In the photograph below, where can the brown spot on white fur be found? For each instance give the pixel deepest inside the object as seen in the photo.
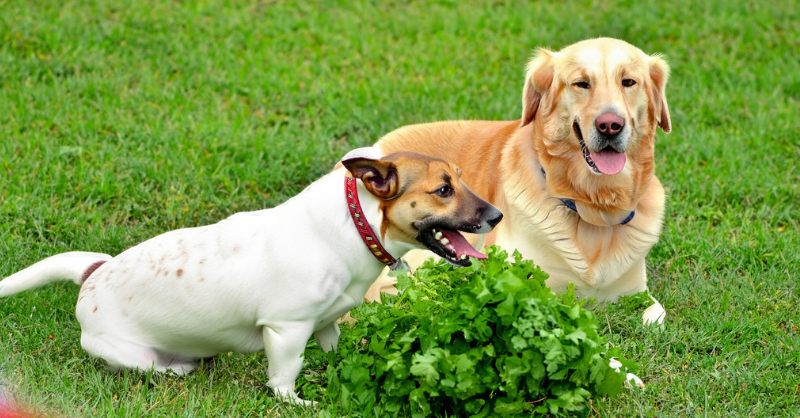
(91, 270)
(179, 273)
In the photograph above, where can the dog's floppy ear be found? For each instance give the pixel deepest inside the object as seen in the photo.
(659, 73)
(538, 79)
(379, 176)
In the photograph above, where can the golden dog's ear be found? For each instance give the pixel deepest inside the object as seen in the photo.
(379, 176)
(659, 73)
(538, 79)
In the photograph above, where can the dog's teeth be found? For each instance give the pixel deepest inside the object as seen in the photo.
(437, 235)
(444, 241)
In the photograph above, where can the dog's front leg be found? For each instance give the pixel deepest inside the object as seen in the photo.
(284, 344)
(635, 281)
(328, 337)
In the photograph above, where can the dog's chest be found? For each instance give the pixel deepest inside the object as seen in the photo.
(354, 288)
(570, 250)
(545, 241)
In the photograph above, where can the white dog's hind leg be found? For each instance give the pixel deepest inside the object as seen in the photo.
(123, 354)
(119, 354)
(654, 315)
(328, 337)
(284, 344)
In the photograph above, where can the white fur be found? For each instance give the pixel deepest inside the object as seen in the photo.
(67, 266)
(264, 280)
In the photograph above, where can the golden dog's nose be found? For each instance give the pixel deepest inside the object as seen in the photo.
(609, 123)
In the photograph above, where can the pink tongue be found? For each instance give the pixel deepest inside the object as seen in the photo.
(608, 162)
(460, 244)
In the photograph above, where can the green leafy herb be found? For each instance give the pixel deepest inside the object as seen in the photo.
(485, 340)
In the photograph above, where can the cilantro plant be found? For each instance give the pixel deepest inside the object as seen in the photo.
(486, 340)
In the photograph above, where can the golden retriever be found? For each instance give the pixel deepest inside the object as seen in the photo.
(575, 176)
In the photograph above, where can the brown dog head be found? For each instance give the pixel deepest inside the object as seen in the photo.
(595, 106)
(425, 203)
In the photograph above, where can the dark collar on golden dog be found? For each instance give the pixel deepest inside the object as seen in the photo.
(571, 204)
(360, 221)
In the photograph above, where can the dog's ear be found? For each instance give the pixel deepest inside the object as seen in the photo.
(659, 73)
(379, 176)
(538, 79)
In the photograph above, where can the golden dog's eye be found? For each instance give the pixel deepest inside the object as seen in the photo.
(628, 82)
(581, 85)
(444, 191)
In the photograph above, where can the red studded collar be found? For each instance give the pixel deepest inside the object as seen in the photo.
(360, 221)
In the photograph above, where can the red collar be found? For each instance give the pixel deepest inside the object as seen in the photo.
(360, 221)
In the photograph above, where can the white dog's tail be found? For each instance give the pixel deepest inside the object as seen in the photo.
(75, 266)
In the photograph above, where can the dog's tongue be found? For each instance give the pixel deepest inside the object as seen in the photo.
(608, 162)
(461, 245)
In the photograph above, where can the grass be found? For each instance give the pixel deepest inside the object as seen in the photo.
(121, 120)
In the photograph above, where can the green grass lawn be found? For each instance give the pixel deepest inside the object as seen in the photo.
(122, 120)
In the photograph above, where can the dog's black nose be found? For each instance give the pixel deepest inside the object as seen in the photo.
(494, 218)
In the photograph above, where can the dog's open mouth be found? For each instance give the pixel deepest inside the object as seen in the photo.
(449, 244)
(607, 161)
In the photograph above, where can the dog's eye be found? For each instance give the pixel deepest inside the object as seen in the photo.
(581, 85)
(628, 82)
(444, 191)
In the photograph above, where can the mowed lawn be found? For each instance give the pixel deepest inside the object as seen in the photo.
(122, 120)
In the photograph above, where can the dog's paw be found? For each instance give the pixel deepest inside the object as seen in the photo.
(299, 402)
(654, 315)
(291, 397)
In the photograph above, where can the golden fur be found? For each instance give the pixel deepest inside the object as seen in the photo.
(502, 162)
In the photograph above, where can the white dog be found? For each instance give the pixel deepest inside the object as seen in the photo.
(267, 279)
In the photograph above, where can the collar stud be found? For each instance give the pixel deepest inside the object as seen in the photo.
(366, 232)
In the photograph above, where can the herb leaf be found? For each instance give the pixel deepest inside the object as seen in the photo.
(486, 340)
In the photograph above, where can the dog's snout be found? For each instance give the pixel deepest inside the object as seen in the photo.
(609, 123)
